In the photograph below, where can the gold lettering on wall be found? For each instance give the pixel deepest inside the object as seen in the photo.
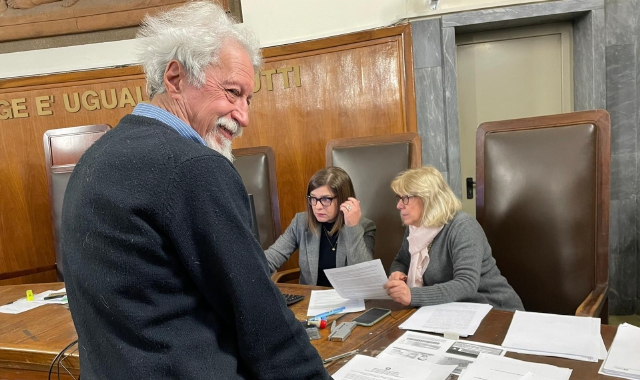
(114, 99)
(43, 102)
(90, 105)
(68, 107)
(285, 74)
(18, 105)
(88, 100)
(268, 74)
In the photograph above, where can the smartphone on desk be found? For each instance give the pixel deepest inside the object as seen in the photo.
(371, 316)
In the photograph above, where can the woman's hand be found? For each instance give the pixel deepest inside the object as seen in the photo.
(397, 275)
(398, 291)
(351, 210)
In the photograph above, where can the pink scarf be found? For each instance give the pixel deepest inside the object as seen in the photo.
(419, 239)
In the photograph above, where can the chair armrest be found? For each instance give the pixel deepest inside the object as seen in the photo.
(592, 305)
(286, 276)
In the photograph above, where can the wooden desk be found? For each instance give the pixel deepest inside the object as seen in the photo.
(492, 330)
(359, 336)
(29, 341)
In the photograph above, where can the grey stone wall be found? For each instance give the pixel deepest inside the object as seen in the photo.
(612, 83)
(622, 41)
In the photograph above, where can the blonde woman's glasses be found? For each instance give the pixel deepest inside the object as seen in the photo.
(404, 198)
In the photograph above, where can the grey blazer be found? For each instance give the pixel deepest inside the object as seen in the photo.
(355, 245)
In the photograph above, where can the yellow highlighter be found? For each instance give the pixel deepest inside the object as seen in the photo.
(29, 295)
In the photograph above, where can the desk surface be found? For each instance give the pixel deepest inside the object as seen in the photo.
(29, 341)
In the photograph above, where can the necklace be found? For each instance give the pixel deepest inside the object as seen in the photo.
(333, 247)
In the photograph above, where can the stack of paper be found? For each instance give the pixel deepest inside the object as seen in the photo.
(325, 300)
(367, 368)
(624, 356)
(555, 335)
(502, 368)
(426, 348)
(457, 317)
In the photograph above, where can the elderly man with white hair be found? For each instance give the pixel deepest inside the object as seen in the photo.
(164, 277)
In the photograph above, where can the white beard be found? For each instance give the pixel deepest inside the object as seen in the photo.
(215, 135)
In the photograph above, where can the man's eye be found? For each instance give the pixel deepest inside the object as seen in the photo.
(233, 92)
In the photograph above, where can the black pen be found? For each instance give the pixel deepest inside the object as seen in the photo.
(329, 360)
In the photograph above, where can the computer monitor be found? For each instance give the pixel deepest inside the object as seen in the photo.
(254, 219)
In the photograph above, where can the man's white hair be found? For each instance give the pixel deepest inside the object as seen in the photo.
(191, 34)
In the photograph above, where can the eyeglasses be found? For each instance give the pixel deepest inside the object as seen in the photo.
(325, 201)
(404, 198)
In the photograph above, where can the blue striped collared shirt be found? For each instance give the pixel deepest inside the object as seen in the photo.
(153, 112)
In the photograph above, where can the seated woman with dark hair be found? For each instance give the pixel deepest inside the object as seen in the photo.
(332, 233)
(445, 256)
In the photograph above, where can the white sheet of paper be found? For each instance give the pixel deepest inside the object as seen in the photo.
(367, 368)
(563, 336)
(362, 281)
(623, 359)
(429, 348)
(503, 368)
(322, 301)
(22, 305)
(462, 318)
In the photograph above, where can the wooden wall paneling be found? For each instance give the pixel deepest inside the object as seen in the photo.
(27, 110)
(350, 86)
(354, 85)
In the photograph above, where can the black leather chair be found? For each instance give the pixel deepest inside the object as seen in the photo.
(256, 166)
(372, 163)
(543, 201)
(62, 150)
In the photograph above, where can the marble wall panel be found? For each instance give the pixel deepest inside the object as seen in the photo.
(427, 46)
(451, 112)
(621, 97)
(429, 101)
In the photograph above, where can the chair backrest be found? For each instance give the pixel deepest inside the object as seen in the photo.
(62, 149)
(543, 201)
(257, 167)
(372, 163)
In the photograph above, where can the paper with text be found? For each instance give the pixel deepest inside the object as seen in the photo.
(362, 281)
(428, 348)
(563, 336)
(461, 318)
(624, 356)
(23, 305)
(322, 301)
(503, 368)
(367, 368)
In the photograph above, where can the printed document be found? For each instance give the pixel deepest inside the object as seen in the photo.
(368, 368)
(23, 305)
(563, 336)
(362, 281)
(322, 301)
(624, 356)
(503, 368)
(426, 348)
(461, 318)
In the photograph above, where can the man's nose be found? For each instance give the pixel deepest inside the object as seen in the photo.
(241, 113)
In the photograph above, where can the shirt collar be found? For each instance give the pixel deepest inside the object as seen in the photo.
(162, 115)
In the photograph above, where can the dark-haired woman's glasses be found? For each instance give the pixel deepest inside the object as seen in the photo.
(404, 198)
(325, 201)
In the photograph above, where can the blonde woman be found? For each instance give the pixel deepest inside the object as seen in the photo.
(445, 256)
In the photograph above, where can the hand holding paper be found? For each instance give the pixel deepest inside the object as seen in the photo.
(361, 281)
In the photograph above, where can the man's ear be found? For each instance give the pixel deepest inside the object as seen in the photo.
(174, 79)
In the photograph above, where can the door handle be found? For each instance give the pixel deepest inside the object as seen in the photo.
(470, 184)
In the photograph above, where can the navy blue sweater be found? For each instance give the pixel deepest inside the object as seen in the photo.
(164, 277)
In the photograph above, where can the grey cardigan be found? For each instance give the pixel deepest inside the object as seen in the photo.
(461, 268)
(355, 245)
